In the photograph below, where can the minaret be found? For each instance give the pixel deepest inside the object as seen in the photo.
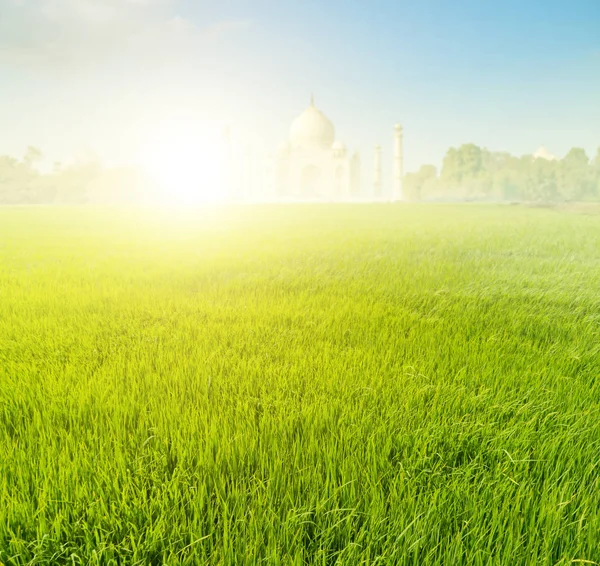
(398, 164)
(377, 177)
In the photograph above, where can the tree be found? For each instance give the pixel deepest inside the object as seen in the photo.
(464, 173)
(451, 173)
(507, 184)
(17, 181)
(32, 156)
(543, 180)
(414, 183)
(595, 175)
(574, 175)
(462, 164)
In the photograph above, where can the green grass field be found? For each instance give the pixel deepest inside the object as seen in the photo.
(303, 384)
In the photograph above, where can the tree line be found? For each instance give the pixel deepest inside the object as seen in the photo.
(468, 173)
(84, 180)
(474, 173)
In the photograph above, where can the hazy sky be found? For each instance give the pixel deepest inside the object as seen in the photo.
(106, 74)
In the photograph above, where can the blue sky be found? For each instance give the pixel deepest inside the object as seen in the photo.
(103, 74)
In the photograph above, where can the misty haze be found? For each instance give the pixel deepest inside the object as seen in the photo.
(295, 283)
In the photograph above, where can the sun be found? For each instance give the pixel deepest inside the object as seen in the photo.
(187, 162)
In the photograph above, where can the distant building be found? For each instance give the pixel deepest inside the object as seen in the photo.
(312, 165)
(543, 153)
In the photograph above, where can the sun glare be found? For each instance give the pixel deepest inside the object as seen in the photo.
(187, 161)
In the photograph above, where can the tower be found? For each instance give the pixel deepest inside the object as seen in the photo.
(377, 177)
(398, 164)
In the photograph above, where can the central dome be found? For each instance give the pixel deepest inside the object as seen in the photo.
(543, 153)
(312, 129)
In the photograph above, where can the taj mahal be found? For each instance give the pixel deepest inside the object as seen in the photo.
(312, 165)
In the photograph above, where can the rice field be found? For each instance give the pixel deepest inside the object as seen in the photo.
(302, 384)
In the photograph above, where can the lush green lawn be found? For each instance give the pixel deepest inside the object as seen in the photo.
(360, 384)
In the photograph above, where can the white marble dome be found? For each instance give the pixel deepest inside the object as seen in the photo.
(543, 153)
(312, 130)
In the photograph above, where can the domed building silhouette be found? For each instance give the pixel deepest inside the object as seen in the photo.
(312, 164)
(543, 153)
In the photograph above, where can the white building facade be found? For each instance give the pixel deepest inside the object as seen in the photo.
(312, 165)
